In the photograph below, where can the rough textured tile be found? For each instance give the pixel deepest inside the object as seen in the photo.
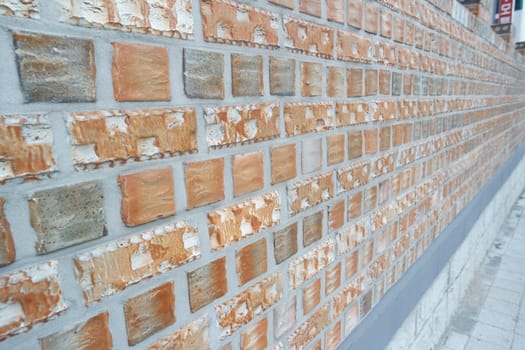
(149, 312)
(20, 8)
(305, 267)
(168, 18)
(147, 196)
(371, 140)
(384, 82)
(312, 79)
(310, 328)
(207, 283)
(353, 176)
(238, 221)
(241, 124)
(350, 292)
(336, 215)
(351, 113)
(248, 304)
(351, 237)
(335, 10)
(140, 73)
(7, 246)
(354, 205)
(25, 146)
(234, 23)
(308, 37)
(28, 296)
(201, 187)
(335, 82)
(248, 173)
(336, 149)
(283, 163)
(311, 296)
(355, 144)
(353, 47)
(307, 193)
(110, 268)
(312, 228)
(303, 118)
(282, 76)
(285, 243)
(193, 336)
(370, 82)
(247, 75)
(284, 316)
(55, 69)
(93, 333)
(355, 82)
(333, 278)
(203, 74)
(312, 155)
(255, 337)
(251, 261)
(65, 216)
(333, 337)
(118, 136)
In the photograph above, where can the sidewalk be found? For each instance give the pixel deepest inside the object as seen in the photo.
(492, 315)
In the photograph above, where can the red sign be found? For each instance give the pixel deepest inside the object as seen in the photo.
(505, 12)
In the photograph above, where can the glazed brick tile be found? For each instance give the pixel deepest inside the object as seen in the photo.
(30, 295)
(311, 296)
(139, 257)
(248, 173)
(158, 18)
(371, 82)
(234, 23)
(303, 118)
(310, 328)
(285, 243)
(311, 7)
(335, 10)
(333, 278)
(256, 336)
(228, 125)
(247, 75)
(333, 337)
(355, 82)
(355, 144)
(282, 76)
(116, 136)
(90, 334)
(312, 79)
(336, 215)
(25, 146)
(336, 149)
(312, 228)
(203, 74)
(140, 73)
(236, 222)
(147, 196)
(308, 37)
(335, 82)
(251, 261)
(355, 13)
(149, 313)
(69, 74)
(192, 335)
(351, 264)
(310, 192)
(283, 163)
(354, 205)
(83, 206)
(201, 188)
(207, 283)
(305, 267)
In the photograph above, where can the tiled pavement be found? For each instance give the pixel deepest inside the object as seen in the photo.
(492, 314)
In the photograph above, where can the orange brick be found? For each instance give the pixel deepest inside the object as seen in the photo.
(228, 125)
(349, 294)
(336, 149)
(251, 261)
(371, 140)
(371, 18)
(355, 13)
(236, 222)
(192, 336)
(335, 10)
(335, 84)
(207, 283)
(385, 136)
(385, 110)
(379, 265)
(248, 173)
(25, 146)
(333, 337)
(140, 73)
(117, 136)
(255, 337)
(354, 205)
(370, 82)
(351, 264)
(310, 328)
(247, 305)
(355, 144)
(333, 278)
(283, 163)
(355, 82)
(7, 246)
(234, 23)
(385, 82)
(353, 176)
(149, 312)
(386, 24)
(308, 37)
(351, 113)
(366, 253)
(302, 118)
(311, 7)
(312, 79)
(336, 215)
(305, 267)
(201, 188)
(312, 228)
(353, 47)
(399, 29)
(351, 237)
(311, 296)
(90, 334)
(30, 295)
(307, 193)
(147, 196)
(139, 257)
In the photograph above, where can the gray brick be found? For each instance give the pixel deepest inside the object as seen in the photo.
(397, 83)
(285, 243)
(247, 75)
(282, 76)
(203, 74)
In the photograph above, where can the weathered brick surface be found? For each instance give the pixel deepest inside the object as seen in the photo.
(310, 328)
(283, 163)
(312, 79)
(312, 155)
(248, 173)
(285, 243)
(66, 216)
(284, 316)
(308, 37)
(311, 296)
(7, 246)
(234, 223)
(149, 312)
(255, 337)
(20, 8)
(201, 188)
(251, 261)
(137, 257)
(247, 75)
(307, 193)
(147, 196)
(93, 333)
(25, 146)
(28, 296)
(118, 136)
(312, 228)
(207, 283)
(282, 76)
(305, 267)
(194, 335)
(203, 74)
(302, 118)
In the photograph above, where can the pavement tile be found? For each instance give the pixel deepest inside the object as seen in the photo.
(505, 295)
(478, 344)
(519, 342)
(497, 319)
(456, 341)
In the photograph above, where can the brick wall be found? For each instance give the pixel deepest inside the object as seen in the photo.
(226, 175)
